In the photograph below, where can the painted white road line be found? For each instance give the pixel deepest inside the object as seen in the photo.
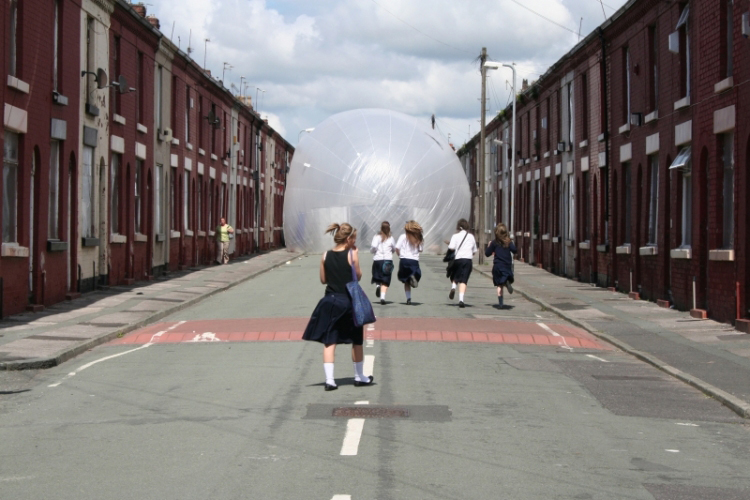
(555, 334)
(597, 358)
(205, 337)
(89, 365)
(341, 497)
(687, 424)
(353, 434)
(369, 365)
(362, 403)
(370, 343)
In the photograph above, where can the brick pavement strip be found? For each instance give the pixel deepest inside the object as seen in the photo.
(24, 345)
(736, 404)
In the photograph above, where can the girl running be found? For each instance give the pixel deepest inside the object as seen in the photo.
(409, 246)
(465, 246)
(382, 246)
(502, 267)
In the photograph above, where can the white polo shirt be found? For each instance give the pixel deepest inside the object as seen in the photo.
(406, 250)
(468, 248)
(383, 250)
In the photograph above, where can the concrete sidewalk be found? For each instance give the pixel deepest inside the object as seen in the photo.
(711, 356)
(42, 340)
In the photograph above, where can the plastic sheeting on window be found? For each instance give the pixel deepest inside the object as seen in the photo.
(87, 193)
(369, 165)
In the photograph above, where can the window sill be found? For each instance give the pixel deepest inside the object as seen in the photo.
(141, 128)
(211, 233)
(583, 144)
(723, 85)
(238, 231)
(119, 119)
(201, 233)
(602, 248)
(648, 250)
(160, 237)
(201, 152)
(89, 242)
(140, 238)
(545, 237)
(721, 255)
(546, 155)
(118, 238)
(14, 250)
(214, 157)
(188, 146)
(623, 249)
(527, 235)
(584, 245)
(175, 141)
(57, 246)
(651, 117)
(555, 239)
(681, 253)
(174, 234)
(188, 232)
(682, 103)
(570, 243)
(17, 84)
(624, 128)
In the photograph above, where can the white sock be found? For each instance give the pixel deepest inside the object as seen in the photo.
(408, 294)
(328, 368)
(460, 296)
(453, 286)
(382, 295)
(359, 374)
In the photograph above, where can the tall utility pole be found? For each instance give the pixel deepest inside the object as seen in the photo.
(480, 161)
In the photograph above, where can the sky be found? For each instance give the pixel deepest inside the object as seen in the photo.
(305, 60)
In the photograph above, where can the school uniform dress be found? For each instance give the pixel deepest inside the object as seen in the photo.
(332, 321)
(408, 264)
(464, 254)
(502, 265)
(382, 261)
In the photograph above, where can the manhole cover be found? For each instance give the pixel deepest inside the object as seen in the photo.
(364, 412)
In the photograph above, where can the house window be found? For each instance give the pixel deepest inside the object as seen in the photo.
(87, 195)
(187, 114)
(571, 137)
(115, 92)
(90, 32)
(186, 200)
(571, 208)
(137, 196)
(626, 200)
(221, 201)
(681, 163)
(653, 67)
(141, 87)
(14, 38)
(727, 26)
(728, 190)
(53, 212)
(199, 203)
(56, 46)
(626, 85)
(684, 34)
(585, 105)
(159, 200)
(210, 205)
(653, 205)
(10, 187)
(114, 198)
(173, 190)
(585, 211)
(159, 107)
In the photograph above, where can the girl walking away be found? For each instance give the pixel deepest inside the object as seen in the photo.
(409, 246)
(465, 246)
(332, 321)
(382, 246)
(502, 267)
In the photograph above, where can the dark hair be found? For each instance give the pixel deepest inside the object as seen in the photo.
(463, 225)
(385, 229)
(341, 232)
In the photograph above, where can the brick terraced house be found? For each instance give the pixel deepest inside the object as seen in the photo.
(120, 154)
(632, 159)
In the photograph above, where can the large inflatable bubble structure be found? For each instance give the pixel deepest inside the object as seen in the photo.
(369, 165)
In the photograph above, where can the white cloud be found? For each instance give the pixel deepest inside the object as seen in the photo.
(315, 59)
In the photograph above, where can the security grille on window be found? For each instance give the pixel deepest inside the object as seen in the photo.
(10, 187)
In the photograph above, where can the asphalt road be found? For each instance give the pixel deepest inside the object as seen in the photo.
(201, 417)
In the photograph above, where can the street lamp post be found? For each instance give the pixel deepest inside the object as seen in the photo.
(308, 130)
(257, 108)
(241, 78)
(223, 70)
(512, 66)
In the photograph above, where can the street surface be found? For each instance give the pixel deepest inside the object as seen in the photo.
(222, 401)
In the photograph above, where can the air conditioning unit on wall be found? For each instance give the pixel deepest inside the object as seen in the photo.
(165, 135)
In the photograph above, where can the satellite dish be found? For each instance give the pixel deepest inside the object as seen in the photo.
(122, 85)
(101, 79)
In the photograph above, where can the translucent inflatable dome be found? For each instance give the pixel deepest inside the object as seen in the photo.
(369, 165)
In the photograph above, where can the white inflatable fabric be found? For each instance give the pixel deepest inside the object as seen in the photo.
(367, 166)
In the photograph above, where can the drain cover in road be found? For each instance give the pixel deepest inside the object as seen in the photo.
(412, 413)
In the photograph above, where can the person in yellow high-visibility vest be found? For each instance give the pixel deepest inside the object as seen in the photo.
(223, 232)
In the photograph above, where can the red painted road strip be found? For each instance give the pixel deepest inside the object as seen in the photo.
(389, 329)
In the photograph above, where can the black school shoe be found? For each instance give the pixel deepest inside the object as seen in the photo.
(452, 293)
(382, 302)
(509, 287)
(461, 304)
(377, 291)
(408, 302)
(329, 387)
(413, 281)
(358, 383)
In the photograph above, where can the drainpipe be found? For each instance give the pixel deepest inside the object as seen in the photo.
(605, 89)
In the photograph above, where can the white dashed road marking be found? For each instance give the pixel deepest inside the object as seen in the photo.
(353, 434)
(597, 358)
(89, 365)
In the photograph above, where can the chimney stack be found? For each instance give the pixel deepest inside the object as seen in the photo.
(140, 9)
(154, 21)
